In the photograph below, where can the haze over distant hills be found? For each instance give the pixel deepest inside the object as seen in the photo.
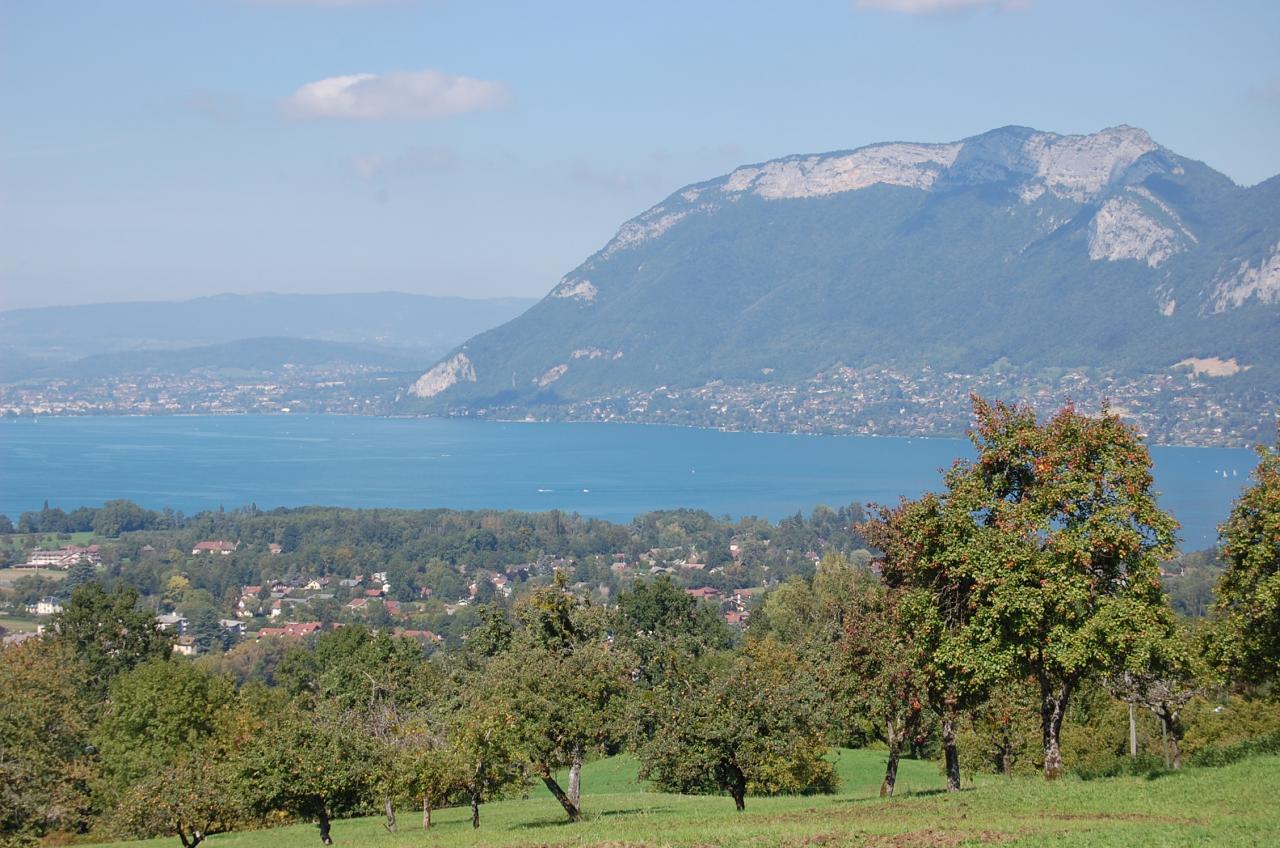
(242, 331)
(1015, 249)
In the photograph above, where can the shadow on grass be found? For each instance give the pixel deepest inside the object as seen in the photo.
(561, 821)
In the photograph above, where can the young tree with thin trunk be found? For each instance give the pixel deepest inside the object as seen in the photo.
(484, 744)
(880, 677)
(932, 606)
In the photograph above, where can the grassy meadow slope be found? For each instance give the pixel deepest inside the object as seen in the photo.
(1230, 806)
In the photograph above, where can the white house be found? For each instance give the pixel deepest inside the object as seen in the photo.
(45, 606)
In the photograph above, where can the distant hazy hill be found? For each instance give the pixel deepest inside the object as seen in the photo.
(389, 320)
(256, 355)
(1016, 246)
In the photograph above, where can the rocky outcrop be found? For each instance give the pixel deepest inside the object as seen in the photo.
(1261, 281)
(444, 375)
(1122, 229)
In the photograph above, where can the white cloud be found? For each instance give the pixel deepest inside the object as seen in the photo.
(402, 94)
(940, 7)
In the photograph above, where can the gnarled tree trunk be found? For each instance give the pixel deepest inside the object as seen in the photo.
(893, 736)
(575, 778)
(1053, 708)
(426, 812)
(950, 753)
(553, 786)
(475, 809)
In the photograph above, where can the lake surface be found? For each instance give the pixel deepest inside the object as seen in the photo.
(613, 471)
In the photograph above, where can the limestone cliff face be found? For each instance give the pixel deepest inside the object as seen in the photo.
(1019, 245)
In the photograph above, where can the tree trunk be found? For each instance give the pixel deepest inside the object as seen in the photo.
(190, 840)
(950, 753)
(324, 827)
(1133, 733)
(391, 814)
(475, 810)
(553, 786)
(1053, 707)
(575, 778)
(426, 812)
(894, 737)
(1175, 751)
(1173, 729)
(738, 788)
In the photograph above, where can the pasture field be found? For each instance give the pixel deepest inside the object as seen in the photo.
(9, 576)
(16, 541)
(18, 625)
(1231, 806)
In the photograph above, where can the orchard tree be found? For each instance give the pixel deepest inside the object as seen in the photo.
(1246, 642)
(483, 743)
(932, 607)
(1043, 555)
(46, 762)
(426, 766)
(569, 703)
(157, 713)
(880, 674)
(755, 724)
(314, 762)
(192, 799)
(108, 633)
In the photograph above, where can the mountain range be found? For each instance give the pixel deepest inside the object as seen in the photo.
(1015, 249)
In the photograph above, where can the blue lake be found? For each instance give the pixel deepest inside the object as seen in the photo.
(613, 471)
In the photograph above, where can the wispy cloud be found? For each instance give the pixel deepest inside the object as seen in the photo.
(431, 158)
(420, 95)
(213, 104)
(920, 8)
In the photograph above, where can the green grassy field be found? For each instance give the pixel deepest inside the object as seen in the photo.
(17, 625)
(9, 576)
(1232, 806)
(17, 541)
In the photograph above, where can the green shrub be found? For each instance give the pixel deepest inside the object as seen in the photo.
(1224, 755)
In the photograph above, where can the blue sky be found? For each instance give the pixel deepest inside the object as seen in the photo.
(176, 148)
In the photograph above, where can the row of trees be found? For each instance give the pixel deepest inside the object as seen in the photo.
(143, 742)
(1036, 574)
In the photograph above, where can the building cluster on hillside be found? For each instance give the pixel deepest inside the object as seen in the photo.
(344, 389)
(298, 595)
(62, 558)
(1168, 408)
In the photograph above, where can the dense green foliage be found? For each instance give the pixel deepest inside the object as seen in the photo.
(1249, 592)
